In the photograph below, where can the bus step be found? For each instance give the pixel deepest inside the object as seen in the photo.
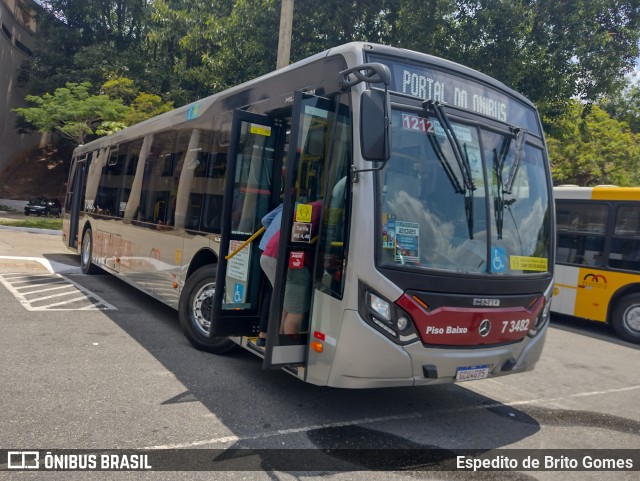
(250, 344)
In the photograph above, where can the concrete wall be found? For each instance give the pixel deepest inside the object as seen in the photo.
(16, 42)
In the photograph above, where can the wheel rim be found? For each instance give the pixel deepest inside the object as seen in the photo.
(631, 318)
(86, 250)
(201, 308)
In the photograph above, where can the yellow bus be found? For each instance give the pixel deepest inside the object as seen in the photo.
(598, 256)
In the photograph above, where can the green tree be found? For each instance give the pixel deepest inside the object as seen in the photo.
(121, 88)
(73, 113)
(549, 50)
(624, 105)
(90, 40)
(145, 106)
(180, 43)
(141, 105)
(587, 147)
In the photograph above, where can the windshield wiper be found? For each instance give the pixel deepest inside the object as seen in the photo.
(519, 133)
(498, 165)
(446, 166)
(461, 157)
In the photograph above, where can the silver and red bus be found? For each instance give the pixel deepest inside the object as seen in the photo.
(433, 257)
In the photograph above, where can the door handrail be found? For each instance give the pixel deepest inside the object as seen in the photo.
(245, 243)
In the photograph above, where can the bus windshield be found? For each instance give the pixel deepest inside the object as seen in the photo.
(485, 211)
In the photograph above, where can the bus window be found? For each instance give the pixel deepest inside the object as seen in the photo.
(107, 200)
(332, 247)
(625, 243)
(161, 179)
(130, 166)
(581, 229)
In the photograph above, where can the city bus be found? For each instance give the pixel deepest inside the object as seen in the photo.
(432, 261)
(598, 256)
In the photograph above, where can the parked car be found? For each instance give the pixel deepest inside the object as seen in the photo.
(43, 206)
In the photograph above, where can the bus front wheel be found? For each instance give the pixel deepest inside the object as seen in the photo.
(626, 318)
(196, 303)
(86, 252)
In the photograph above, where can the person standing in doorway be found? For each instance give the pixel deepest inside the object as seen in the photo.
(271, 222)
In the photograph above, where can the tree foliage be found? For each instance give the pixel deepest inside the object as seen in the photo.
(589, 147)
(565, 55)
(550, 50)
(624, 105)
(72, 112)
(89, 41)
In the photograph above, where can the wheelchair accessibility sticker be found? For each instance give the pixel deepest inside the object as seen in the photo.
(238, 294)
(498, 259)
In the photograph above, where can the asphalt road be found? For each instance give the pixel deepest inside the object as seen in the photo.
(124, 377)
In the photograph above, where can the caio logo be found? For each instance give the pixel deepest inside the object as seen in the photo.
(594, 281)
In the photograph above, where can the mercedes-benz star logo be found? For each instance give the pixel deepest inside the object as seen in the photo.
(485, 328)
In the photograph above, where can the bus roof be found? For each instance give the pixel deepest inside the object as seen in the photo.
(599, 192)
(348, 50)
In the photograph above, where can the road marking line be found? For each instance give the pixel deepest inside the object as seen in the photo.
(63, 303)
(60, 294)
(281, 432)
(51, 281)
(31, 304)
(64, 286)
(33, 282)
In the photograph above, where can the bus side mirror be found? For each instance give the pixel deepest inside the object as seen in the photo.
(375, 135)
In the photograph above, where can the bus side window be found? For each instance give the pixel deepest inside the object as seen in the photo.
(625, 245)
(581, 233)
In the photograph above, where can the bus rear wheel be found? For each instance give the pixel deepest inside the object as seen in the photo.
(626, 318)
(196, 303)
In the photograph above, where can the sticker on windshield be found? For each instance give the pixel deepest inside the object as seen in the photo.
(498, 259)
(407, 242)
(525, 263)
(388, 231)
(475, 162)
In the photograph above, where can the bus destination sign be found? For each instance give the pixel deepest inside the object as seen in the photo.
(428, 83)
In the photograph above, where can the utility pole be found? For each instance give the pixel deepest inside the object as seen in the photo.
(284, 37)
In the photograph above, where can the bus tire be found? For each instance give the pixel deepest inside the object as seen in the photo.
(626, 318)
(86, 253)
(194, 307)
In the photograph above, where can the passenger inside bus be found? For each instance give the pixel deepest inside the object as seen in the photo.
(271, 222)
(297, 295)
(298, 286)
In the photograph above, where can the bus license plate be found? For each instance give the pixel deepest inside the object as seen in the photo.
(472, 372)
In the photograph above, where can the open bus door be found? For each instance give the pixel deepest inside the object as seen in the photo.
(306, 164)
(76, 195)
(255, 148)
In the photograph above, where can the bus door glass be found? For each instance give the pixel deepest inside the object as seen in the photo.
(75, 198)
(249, 189)
(289, 319)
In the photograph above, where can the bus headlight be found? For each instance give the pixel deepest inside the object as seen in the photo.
(542, 318)
(381, 307)
(402, 323)
(385, 316)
